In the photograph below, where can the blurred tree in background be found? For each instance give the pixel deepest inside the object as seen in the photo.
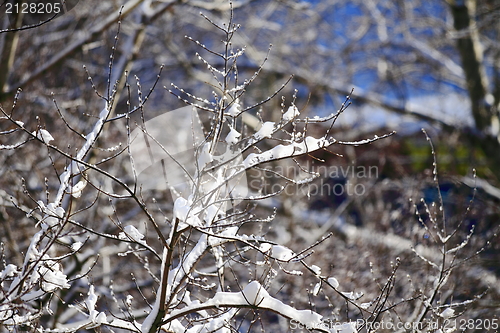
(435, 61)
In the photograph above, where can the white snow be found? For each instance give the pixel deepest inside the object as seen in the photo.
(264, 247)
(282, 253)
(316, 269)
(181, 208)
(265, 131)
(131, 232)
(91, 301)
(352, 295)
(90, 140)
(52, 214)
(211, 213)
(76, 191)
(49, 222)
(291, 113)
(307, 145)
(128, 300)
(76, 246)
(204, 157)
(333, 282)
(189, 260)
(43, 135)
(316, 289)
(447, 313)
(184, 212)
(233, 136)
(52, 276)
(365, 305)
(234, 110)
(8, 271)
(51, 209)
(253, 294)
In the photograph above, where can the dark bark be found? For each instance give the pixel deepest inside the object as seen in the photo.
(472, 66)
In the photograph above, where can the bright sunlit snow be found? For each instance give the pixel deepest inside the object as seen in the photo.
(233, 136)
(131, 232)
(265, 131)
(44, 135)
(333, 281)
(291, 113)
(282, 253)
